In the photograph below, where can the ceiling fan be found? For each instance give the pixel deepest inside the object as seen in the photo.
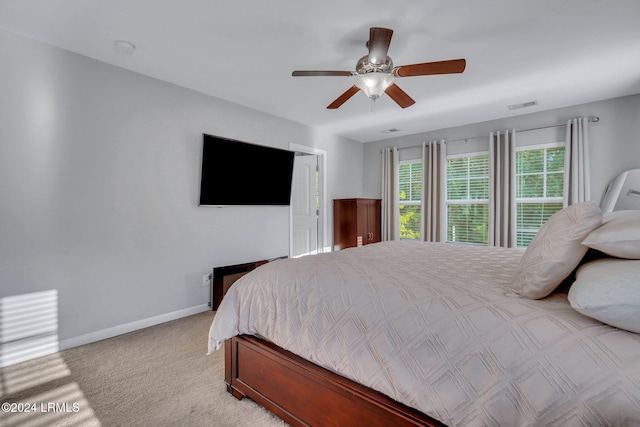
(376, 74)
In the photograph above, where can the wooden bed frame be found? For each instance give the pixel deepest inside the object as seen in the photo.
(304, 394)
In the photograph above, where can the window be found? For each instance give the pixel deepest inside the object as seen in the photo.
(539, 189)
(468, 198)
(410, 195)
(539, 194)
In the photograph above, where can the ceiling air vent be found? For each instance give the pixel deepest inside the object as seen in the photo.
(523, 105)
(390, 130)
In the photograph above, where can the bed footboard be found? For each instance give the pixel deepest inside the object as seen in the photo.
(304, 394)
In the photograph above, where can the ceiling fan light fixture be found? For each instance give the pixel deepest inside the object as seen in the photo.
(374, 84)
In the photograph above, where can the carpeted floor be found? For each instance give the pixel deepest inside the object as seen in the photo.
(159, 376)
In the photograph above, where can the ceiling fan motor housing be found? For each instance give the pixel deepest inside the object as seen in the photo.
(363, 66)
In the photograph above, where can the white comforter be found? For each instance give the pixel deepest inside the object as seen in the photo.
(432, 326)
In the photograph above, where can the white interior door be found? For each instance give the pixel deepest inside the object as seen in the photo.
(304, 206)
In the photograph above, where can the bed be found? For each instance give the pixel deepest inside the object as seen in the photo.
(415, 333)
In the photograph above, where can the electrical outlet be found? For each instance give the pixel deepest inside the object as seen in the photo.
(205, 280)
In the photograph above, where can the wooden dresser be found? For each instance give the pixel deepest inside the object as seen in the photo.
(356, 222)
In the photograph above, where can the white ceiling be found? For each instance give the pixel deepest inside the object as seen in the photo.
(557, 52)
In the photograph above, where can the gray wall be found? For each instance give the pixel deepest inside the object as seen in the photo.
(615, 139)
(99, 183)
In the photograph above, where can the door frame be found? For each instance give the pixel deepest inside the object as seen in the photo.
(322, 191)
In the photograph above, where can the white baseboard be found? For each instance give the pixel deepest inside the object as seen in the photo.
(130, 327)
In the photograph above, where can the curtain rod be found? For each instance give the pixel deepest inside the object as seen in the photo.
(591, 120)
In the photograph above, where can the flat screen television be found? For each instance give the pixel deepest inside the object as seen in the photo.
(236, 173)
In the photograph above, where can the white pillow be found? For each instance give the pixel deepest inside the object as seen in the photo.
(608, 290)
(618, 236)
(556, 250)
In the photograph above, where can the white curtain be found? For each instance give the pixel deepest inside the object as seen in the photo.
(390, 220)
(577, 181)
(434, 163)
(502, 189)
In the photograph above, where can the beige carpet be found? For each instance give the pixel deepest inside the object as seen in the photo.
(159, 376)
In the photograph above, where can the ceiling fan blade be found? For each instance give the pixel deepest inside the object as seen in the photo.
(430, 68)
(313, 73)
(379, 41)
(399, 96)
(343, 98)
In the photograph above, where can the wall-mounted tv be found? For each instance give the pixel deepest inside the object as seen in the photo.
(240, 173)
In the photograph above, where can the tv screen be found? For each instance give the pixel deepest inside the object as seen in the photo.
(240, 173)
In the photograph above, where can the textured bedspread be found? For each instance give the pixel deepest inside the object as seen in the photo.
(432, 326)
